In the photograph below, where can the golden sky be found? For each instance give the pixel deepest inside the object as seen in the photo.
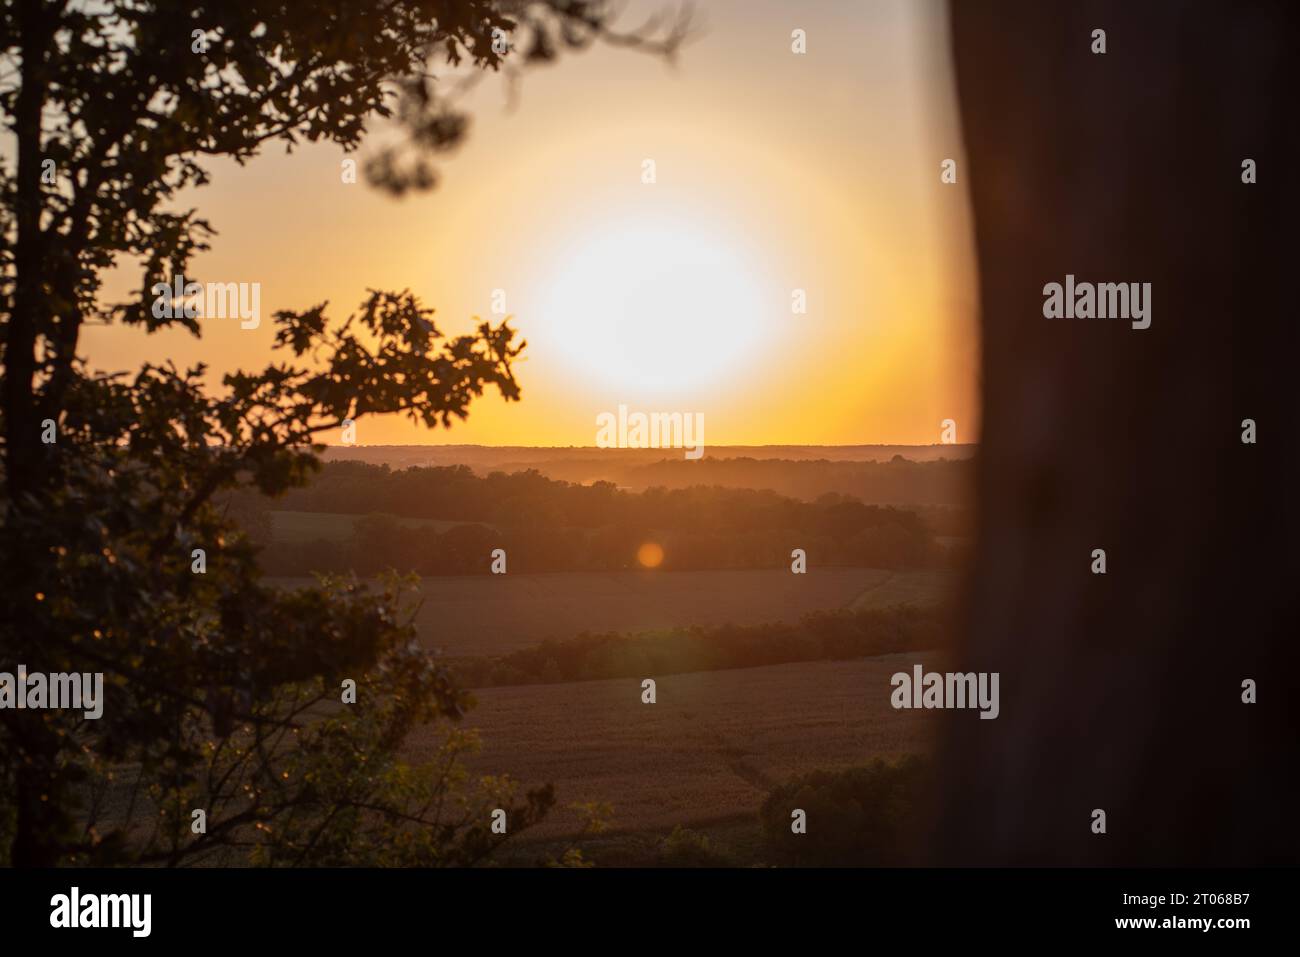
(773, 172)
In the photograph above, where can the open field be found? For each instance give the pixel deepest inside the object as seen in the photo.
(709, 750)
(298, 527)
(497, 614)
(923, 587)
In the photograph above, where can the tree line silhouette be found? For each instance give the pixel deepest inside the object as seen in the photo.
(546, 525)
(896, 481)
(838, 634)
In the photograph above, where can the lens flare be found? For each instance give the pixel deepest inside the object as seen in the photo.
(650, 555)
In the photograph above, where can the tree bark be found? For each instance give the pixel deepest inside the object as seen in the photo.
(22, 431)
(38, 794)
(1123, 691)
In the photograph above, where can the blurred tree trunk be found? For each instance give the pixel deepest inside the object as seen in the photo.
(1123, 691)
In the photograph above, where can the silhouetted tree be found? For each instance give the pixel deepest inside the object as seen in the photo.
(215, 684)
(1123, 691)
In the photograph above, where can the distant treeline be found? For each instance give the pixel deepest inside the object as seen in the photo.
(898, 481)
(458, 493)
(826, 635)
(546, 525)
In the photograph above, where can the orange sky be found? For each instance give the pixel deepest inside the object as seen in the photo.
(774, 172)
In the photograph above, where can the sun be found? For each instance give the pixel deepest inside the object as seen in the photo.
(657, 306)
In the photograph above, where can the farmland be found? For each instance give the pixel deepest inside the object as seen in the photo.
(708, 751)
(497, 614)
(715, 743)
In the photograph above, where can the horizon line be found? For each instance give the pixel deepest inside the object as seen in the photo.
(597, 448)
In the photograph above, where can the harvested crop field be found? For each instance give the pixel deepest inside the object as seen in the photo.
(497, 614)
(710, 748)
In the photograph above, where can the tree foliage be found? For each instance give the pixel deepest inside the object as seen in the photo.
(868, 816)
(223, 694)
(546, 525)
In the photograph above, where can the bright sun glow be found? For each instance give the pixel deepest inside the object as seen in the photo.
(656, 307)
